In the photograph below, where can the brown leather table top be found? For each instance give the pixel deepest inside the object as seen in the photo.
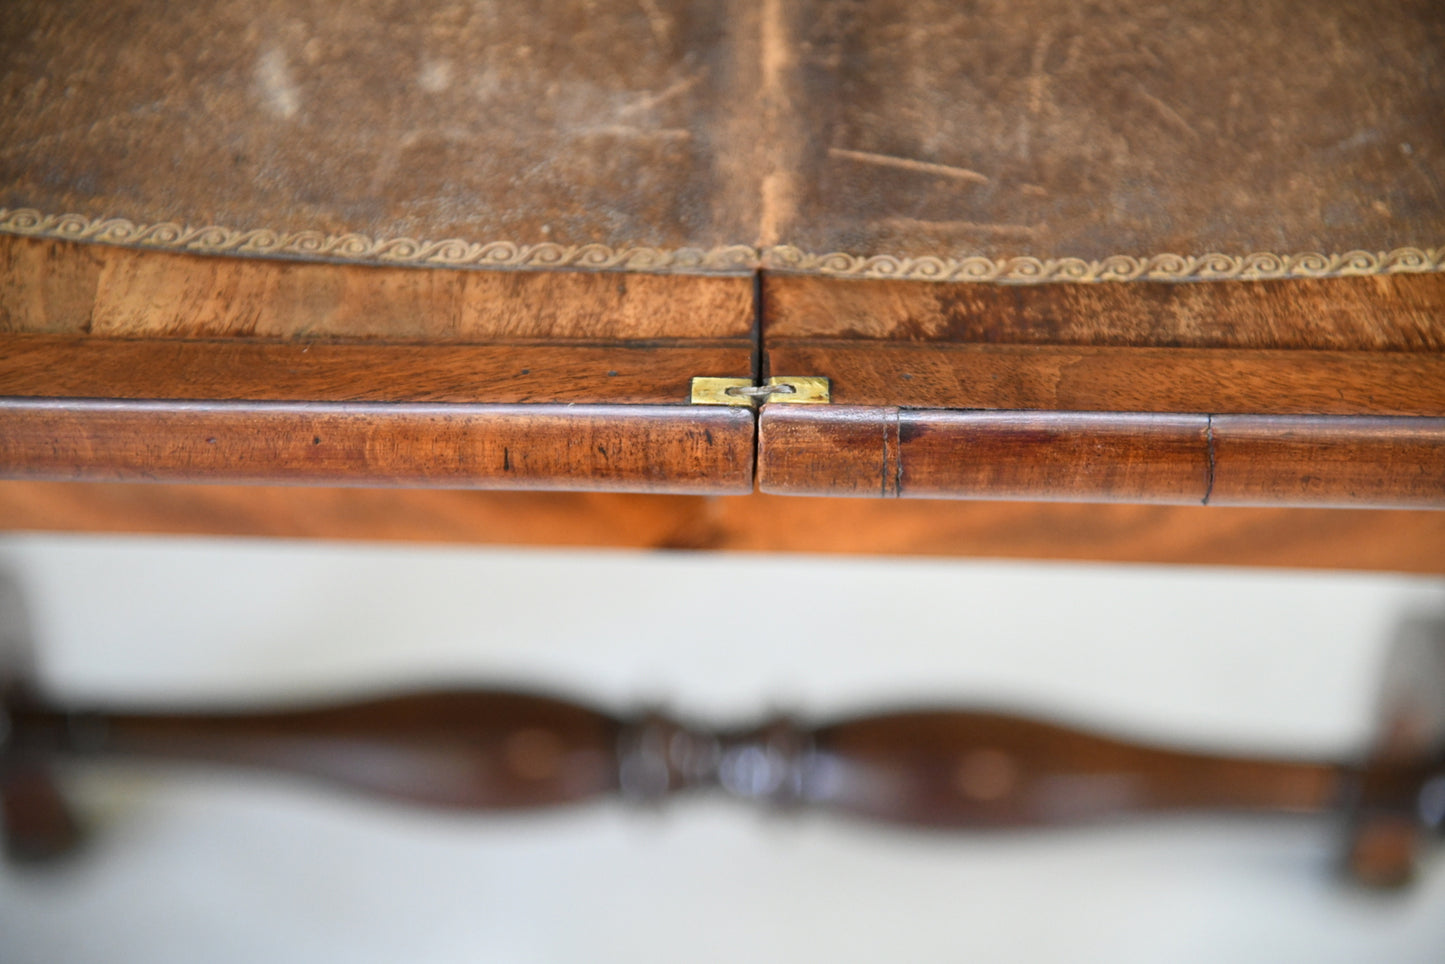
(921, 138)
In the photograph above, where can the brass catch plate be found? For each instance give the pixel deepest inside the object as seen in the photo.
(806, 390)
(714, 391)
(784, 389)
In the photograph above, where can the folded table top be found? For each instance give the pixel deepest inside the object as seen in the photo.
(969, 219)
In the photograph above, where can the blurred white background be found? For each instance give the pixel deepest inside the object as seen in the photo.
(198, 865)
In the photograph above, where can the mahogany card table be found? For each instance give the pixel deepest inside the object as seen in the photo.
(1137, 281)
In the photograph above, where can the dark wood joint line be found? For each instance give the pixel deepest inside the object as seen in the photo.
(891, 481)
(1209, 440)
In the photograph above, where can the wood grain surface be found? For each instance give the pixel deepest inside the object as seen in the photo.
(51, 366)
(64, 288)
(983, 455)
(1382, 540)
(1403, 312)
(602, 448)
(1336, 346)
(1070, 455)
(839, 451)
(1329, 461)
(1086, 378)
(220, 339)
(1077, 456)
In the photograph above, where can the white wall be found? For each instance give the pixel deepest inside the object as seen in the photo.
(204, 866)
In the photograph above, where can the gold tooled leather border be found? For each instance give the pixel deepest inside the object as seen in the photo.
(730, 259)
(1119, 267)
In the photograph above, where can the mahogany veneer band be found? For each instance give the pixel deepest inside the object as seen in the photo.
(51, 366)
(1079, 378)
(1048, 378)
(1390, 312)
(641, 448)
(1113, 457)
(65, 288)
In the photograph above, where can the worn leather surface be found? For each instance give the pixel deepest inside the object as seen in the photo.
(1044, 128)
(1128, 126)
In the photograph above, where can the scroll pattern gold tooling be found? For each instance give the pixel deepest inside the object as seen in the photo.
(1119, 267)
(449, 252)
(730, 259)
